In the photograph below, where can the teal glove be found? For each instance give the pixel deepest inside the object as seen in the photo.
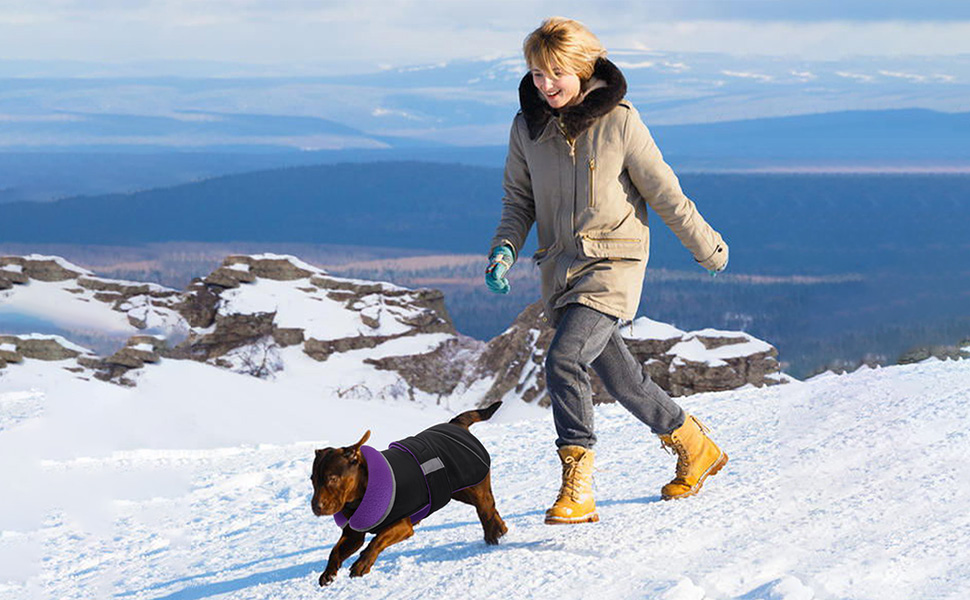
(715, 272)
(499, 263)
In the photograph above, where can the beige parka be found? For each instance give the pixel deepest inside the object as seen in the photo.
(585, 176)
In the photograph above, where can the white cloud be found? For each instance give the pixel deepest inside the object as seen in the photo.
(804, 75)
(856, 76)
(743, 75)
(407, 32)
(907, 76)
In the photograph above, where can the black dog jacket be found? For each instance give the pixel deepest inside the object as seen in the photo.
(417, 476)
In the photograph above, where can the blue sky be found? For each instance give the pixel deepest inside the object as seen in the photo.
(361, 35)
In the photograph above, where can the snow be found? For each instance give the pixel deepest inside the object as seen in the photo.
(321, 317)
(67, 306)
(644, 328)
(7, 348)
(12, 268)
(244, 267)
(692, 349)
(143, 347)
(53, 302)
(195, 485)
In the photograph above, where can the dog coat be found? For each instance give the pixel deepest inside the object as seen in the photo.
(417, 476)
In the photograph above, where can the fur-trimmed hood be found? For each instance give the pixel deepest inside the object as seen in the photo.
(607, 87)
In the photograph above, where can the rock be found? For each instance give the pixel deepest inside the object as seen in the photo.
(228, 333)
(288, 336)
(41, 347)
(711, 360)
(91, 362)
(114, 289)
(12, 273)
(437, 372)
(8, 350)
(276, 268)
(222, 278)
(942, 352)
(198, 305)
(44, 268)
(5, 284)
(516, 359)
(321, 350)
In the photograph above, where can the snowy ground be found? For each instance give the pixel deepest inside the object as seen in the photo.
(195, 485)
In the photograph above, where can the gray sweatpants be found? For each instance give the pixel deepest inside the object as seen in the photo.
(584, 337)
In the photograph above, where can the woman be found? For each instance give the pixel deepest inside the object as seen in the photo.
(583, 167)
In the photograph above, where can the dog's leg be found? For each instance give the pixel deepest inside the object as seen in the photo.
(350, 541)
(394, 533)
(480, 496)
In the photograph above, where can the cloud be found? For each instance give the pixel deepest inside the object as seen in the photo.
(743, 75)
(857, 76)
(356, 34)
(907, 76)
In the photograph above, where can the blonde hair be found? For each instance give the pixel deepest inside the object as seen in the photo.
(564, 44)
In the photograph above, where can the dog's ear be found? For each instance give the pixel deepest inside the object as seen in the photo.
(364, 439)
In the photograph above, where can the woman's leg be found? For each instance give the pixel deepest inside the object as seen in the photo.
(627, 381)
(581, 335)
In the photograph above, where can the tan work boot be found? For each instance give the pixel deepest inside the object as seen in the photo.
(697, 458)
(575, 503)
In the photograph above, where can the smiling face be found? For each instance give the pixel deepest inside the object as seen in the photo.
(558, 88)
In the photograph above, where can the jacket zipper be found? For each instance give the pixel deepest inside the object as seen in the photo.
(592, 180)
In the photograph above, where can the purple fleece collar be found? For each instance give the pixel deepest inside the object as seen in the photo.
(378, 497)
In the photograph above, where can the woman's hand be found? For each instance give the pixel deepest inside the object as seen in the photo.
(723, 248)
(499, 263)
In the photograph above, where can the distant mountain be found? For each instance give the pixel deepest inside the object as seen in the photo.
(841, 141)
(462, 103)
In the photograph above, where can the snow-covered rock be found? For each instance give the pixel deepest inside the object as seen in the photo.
(249, 312)
(681, 362)
(73, 299)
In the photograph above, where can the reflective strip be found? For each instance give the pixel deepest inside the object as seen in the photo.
(430, 466)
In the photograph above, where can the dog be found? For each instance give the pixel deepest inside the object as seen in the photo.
(388, 492)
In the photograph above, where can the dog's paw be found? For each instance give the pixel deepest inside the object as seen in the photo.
(495, 531)
(327, 577)
(360, 568)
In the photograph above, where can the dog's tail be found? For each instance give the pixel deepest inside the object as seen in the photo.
(471, 417)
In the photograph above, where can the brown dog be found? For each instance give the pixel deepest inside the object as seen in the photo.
(409, 480)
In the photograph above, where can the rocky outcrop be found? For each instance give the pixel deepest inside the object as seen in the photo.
(942, 352)
(441, 372)
(39, 347)
(682, 363)
(224, 311)
(515, 360)
(145, 305)
(247, 312)
(118, 367)
(18, 348)
(41, 268)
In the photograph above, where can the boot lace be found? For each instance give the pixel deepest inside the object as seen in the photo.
(569, 478)
(572, 479)
(676, 448)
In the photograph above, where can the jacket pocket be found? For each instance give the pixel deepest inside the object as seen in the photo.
(592, 182)
(605, 245)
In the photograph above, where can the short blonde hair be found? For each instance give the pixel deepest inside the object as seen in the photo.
(564, 44)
